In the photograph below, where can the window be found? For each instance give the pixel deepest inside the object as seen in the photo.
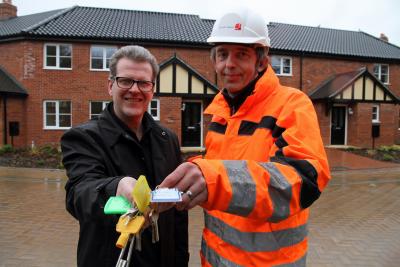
(96, 107)
(58, 56)
(282, 65)
(100, 57)
(154, 109)
(57, 114)
(375, 114)
(381, 71)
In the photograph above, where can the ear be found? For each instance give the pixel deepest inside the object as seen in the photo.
(110, 84)
(262, 65)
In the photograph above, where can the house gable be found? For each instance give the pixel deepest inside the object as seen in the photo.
(177, 78)
(356, 86)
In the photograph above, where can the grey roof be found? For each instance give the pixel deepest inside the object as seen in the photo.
(329, 41)
(128, 25)
(9, 85)
(105, 24)
(17, 25)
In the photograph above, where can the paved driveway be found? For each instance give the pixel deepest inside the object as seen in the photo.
(356, 222)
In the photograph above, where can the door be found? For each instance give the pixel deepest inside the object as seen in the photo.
(191, 124)
(338, 125)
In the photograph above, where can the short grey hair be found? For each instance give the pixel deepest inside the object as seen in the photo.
(261, 53)
(134, 53)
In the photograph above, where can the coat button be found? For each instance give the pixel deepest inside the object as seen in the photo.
(163, 133)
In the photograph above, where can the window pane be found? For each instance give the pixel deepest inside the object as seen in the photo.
(376, 70)
(286, 70)
(110, 51)
(65, 62)
(96, 107)
(277, 69)
(108, 63)
(97, 63)
(50, 120)
(384, 69)
(65, 50)
(51, 62)
(153, 104)
(65, 107)
(286, 62)
(50, 107)
(276, 64)
(384, 78)
(51, 50)
(97, 51)
(65, 120)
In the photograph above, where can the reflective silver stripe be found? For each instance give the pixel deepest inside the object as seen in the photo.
(214, 258)
(299, 263)
(255, 241)
(280, 192)
(243, 188)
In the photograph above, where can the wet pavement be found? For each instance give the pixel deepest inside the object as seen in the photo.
(356, 222)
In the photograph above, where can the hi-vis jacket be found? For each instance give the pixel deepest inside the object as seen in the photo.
(264, 166)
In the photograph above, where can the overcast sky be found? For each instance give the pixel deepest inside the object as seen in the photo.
(370, 16)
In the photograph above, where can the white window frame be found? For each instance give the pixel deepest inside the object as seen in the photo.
(57, 66)
(379, 73)
(157, 117)
(376, 120)
(103, 105)
(57, 126)
(281, 59)
(104, 57)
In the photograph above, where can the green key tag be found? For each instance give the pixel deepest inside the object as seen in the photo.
(117, 205)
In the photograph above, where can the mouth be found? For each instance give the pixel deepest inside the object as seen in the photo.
(133, 99)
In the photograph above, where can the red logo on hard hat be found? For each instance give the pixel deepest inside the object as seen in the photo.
(238, 26)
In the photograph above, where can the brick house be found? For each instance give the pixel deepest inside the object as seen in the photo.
(54, 70)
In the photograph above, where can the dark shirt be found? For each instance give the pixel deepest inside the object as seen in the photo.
(236, 101)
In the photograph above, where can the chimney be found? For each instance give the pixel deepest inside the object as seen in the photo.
(384, 38)
(7, 10)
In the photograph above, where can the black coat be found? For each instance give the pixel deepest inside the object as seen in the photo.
(97, 155)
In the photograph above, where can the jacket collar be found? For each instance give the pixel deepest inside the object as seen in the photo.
(113, 128)
(265, 86)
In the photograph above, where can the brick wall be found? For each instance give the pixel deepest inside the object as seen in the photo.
(24, 60)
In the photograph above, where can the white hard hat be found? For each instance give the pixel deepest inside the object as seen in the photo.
(242, 26)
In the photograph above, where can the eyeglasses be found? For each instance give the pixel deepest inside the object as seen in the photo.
(127, 83)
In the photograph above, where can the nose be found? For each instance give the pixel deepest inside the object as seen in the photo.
(135, 87)
(230, 61)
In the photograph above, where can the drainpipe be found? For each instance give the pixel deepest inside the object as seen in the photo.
(301, 72)
(5, 119)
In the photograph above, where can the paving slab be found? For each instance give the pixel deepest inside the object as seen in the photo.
(356, 222)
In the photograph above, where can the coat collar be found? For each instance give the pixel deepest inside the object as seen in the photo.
(264, 87)
(114, 129)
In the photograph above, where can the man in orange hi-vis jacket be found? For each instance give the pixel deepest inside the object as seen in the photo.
(265, 162)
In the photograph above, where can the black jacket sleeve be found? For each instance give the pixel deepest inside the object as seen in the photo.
(89, 186)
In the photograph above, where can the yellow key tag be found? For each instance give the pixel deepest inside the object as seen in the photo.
(133, 227)
(141, 194)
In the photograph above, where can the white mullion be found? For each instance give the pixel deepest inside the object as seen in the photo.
(104, 58)
(57, 114)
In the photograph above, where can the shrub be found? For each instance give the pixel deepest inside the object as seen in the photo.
(387, 157)
(6, 149)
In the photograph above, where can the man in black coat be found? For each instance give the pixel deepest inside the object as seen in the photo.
(104, 157)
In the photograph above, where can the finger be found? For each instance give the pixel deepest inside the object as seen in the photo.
(197, 200)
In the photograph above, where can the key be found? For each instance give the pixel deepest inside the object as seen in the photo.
(129, 215)
(154, 225)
